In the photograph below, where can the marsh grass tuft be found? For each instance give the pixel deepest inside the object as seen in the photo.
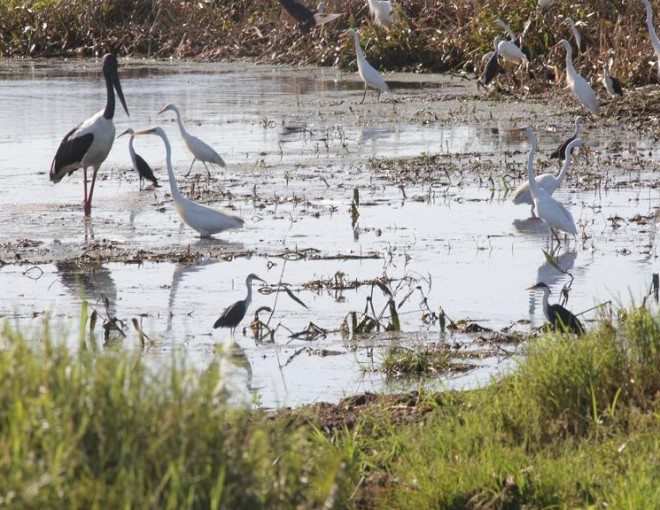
(428, 360)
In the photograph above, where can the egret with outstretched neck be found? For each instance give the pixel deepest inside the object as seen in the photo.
(548, 182)
(203, 219)
(232, 316)
(89, 143)
(560, 152)
(560, 318)
(369, 75)
(200, 150)
(551, 211)
(577, 83)
(142, 168)
(654, 37)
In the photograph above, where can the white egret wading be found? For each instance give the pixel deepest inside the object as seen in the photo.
(203, 219)
(369, 75)
(89, 143)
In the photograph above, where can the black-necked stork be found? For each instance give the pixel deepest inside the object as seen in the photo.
(232, 316)
(306, 18)
(139, 164)
(89, 143)
(203, 219)
(200, 150)
(369, 75)
(560, 318)
(613, 86)
(560, 152)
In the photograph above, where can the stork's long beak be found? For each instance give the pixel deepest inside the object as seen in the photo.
(126, 132)
(162, 110)
(114, 78)
(145, 132)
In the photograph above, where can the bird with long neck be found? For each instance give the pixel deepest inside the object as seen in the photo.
(232, 316)
(369, 75)
(142, 168)
(559, 317)
(654, 36)
(580, 87)
(560, 152)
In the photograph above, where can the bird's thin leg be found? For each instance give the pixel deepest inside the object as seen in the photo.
(85, 188)
(378, 97)
(191, 165)
(207, 170)
(365, 93)
(88, 204)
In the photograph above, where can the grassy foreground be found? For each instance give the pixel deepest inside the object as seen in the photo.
(577, 425)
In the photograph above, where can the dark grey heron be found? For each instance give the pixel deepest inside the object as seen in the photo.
(559, 317)
(234, 314)
(139, 164)
(560, 152)
(612, 85)
(89, 143)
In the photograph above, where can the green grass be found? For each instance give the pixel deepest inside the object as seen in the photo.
(577, 425)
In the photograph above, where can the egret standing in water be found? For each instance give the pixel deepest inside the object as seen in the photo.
(381, 11)
(548, 182)
(234, 314)
(654, 37)
(560, 152)
(203, 219)
(559, 317)
(368, 74)
(89, 143)
(139, 164)
(577, 83)
(551, 211)
(200, 150)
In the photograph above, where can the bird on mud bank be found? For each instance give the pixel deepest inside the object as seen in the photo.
(232, 316)
(142, 168)
(89, 143)
(205, 220)
(611, 84)
(307, 18)
(580, 87)
(560, 152)
(560, 318)
(369, 75)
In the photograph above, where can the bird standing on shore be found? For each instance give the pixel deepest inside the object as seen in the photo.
(203, 219)
(577, 83)
(612, 85)
(232, 316)
(139, 164)
(89, 143)
(559, 317)
(369, 75)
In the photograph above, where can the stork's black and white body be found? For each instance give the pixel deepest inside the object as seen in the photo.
(560, 152)
(232, 316)
(612, 85)
(89, 143)
(139, 164)
(559, 317)
(203, 219)
(200, 150)
(306, 17)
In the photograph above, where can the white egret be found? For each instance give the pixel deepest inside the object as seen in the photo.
(612, 85)
(559, 317)
(200, 150)
(580, 42)
(551, 211)
(560, 152)
(544, 4)
(142, 168)
(381, 11)
(513, 37)
(232, 316)
(548, 182)
(203, 219)
(89, 143)
(509, 51)
(654, 37)
(577, 83)
(307, 18)
(369, 75)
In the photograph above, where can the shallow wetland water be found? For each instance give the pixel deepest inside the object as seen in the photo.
(298, 143)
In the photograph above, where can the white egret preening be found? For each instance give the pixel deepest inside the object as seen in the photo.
(654, 37)
(142, 168)
(612, 85)
(551, 211)
(381, 11)
(200, 150)
(89, 143)
(232, 316)
(559, 317)
(577, 83)
(560, 152)
(580, 41)
(203, 219)
(306, 17)
(369, 75)
(548, 182)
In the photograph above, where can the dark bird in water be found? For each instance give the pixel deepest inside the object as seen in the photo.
(306, 18)
(234, 314)
(560, 152)
(139, 164)
(89, 143)
(612, 85)
(559, 317)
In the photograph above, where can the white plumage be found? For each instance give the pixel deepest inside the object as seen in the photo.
(381, 11)
(200, 150)
(369, 75)
(203, 219)
(654, 37)
(577, 83)
(509, 51)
